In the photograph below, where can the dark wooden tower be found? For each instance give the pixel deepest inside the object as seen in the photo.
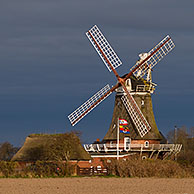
(141, 92)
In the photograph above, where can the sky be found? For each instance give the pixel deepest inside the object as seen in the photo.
(48, 67)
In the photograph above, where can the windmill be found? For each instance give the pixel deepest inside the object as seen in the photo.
(138, 77)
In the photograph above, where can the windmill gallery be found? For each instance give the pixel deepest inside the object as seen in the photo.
(133, 130)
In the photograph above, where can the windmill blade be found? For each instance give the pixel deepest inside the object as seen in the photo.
(134, 111)
(154, 56)
(89, 105)
(103, 48)
(137, 116)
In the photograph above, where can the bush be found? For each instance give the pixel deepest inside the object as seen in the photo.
(37, 169)
(134, 167)
(8, 168)
(49, 169)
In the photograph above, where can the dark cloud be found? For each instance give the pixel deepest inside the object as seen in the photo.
(48, 66)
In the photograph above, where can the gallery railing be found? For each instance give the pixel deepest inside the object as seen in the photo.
(132, 147)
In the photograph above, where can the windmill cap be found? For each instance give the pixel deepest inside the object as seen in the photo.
(142, 56)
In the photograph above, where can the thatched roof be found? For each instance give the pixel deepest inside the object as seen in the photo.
(51, 147)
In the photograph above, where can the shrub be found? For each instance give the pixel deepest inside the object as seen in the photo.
(49, 169)
(134, 167)
(37, 169)
(8, 168)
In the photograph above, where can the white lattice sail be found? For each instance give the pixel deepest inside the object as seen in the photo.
(103, 48)
(136, 115)
(156, 54)
(89, 105)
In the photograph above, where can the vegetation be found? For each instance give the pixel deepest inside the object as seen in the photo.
(135, 167)
(7, 151)
(131, 167)
(185, 137)
(36, 170)
(58, 149)
(7, 168)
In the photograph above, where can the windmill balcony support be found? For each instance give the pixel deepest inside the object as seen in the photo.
(142, 88)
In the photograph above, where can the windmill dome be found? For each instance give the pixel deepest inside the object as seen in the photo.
(142, 56)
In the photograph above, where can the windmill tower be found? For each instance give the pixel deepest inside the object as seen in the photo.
(141, 91)
(133, 93)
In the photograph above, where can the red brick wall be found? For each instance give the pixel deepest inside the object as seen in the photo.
(87, 164)
(143, 141)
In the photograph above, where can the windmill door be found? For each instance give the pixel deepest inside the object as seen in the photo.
(127, 143)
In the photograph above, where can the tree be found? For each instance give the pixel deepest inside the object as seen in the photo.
(191, 132)
(7, 151)
(62, 148)
(178, 135)
(181, 136)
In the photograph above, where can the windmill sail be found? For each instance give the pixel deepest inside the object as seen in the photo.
(153, 56)
(134, 111)
(89, 105)
(103, 48)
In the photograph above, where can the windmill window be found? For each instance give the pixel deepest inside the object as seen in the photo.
(144, 157)
(128, 82)
(146, 144)
(127, 142)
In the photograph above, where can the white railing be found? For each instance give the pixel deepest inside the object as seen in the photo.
(132, 147)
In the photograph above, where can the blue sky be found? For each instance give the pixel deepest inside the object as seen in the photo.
(49, 68)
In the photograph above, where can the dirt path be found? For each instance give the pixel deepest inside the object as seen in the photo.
(97, 186)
